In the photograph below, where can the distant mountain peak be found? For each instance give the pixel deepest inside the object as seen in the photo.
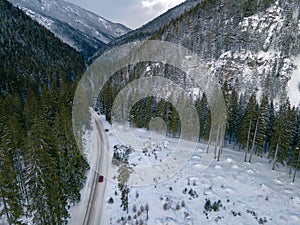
(80, 28)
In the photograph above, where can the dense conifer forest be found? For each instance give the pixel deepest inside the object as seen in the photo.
(41, 168)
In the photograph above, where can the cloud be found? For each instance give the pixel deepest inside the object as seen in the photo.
(132, 13)
(160, 4)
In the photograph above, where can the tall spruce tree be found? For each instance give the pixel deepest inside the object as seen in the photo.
(234, 115)
(201, 105)
(270, 126)
(294, 154)
(124, 174)
(281, 138)
(248, 125)
(11, 170)
(40, 172)
(260, 128)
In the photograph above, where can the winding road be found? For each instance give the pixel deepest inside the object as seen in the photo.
(94, 208)
(89, 210)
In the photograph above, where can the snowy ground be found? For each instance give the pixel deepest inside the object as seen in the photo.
(294, 85)
(249, 193)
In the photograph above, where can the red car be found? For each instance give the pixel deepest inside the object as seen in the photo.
(100, 180)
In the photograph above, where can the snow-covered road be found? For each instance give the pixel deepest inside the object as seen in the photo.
(94, 209)
(89, 210)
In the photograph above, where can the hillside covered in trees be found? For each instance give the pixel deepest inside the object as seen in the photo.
(41, 168)
(250, 46)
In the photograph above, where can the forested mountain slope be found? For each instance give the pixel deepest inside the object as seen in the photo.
(41, 168)
(253, 49)
(151, 27)
(81, 29)
(248, 43)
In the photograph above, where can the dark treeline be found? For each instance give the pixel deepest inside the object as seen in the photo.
(41, 167)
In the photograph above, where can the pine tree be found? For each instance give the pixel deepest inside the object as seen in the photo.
(48, 105)
(31, 105)
(260, 128)
(270, 126)
(124, 174)
(159, 108)
(281, 138)
(71, 164)
(11, 170)
(202, 109)
(234, 120)
(41, 172)
(148, 110)
(297, 150)
(248, 124)
(174, 123)
(208, 130)
(294, 156)
(264, 119)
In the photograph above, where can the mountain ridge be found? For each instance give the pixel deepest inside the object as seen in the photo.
(81, 29)
(250, 44)
(148, 29)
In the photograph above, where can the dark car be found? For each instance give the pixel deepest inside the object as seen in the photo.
(100, 179)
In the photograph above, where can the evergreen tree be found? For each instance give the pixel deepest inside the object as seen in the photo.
(201, 105)
(41, 177)
(71, 164)
(281, 138)
(248, 124)
(11, 170)
(264, 119)
(124, 174)
(31, 105)
(294, 156)
(270, 126)
(208, 132)
(233, 109)
(148, 110)
(174, 123)
(260, 128)
(296, 152)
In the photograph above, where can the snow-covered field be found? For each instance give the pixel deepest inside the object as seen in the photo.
(243, 193)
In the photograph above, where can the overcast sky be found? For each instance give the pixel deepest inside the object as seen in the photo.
(132, 13)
